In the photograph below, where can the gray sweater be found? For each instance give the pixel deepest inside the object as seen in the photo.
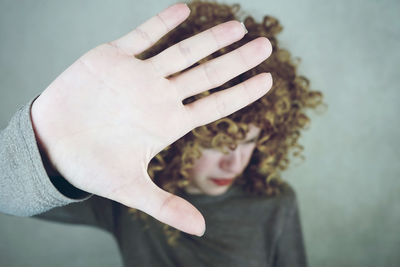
(242, 229)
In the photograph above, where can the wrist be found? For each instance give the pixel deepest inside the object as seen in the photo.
(50, 169)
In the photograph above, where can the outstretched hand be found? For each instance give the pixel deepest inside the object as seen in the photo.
(106, 116)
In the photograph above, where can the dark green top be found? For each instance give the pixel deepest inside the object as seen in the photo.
(242, 229)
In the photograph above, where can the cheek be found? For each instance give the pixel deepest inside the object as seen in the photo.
(248, 152)
(203, 164)
(251, 150)
(206, 163)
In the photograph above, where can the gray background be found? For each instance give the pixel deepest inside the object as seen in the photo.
(348, 187)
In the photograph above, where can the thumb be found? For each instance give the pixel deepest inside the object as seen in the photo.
(169, 209)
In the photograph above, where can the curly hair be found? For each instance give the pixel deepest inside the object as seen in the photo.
(280, 114)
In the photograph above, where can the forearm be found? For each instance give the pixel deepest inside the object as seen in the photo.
(26, 188)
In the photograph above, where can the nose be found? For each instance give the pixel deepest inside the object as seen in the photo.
(232, 162)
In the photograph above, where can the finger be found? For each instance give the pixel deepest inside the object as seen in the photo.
(187, 52)
(216, 72)
(166, 207)
(225, 102)
(148, 33)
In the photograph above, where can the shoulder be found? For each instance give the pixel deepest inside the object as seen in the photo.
(287, 196)
(288, 191)
(276, 209)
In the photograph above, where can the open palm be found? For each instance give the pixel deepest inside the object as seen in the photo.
(105, 117)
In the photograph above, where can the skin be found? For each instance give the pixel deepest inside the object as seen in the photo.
(102, 120)
(214, 163)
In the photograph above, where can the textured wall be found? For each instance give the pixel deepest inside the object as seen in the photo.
(347, 187)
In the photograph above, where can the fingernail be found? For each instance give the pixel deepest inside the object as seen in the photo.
(244, 27)
(203, 232)
(270, 80)
(187, 6)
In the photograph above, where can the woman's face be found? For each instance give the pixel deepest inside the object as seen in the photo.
(214, 172)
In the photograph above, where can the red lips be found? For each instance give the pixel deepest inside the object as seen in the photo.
(222, 182)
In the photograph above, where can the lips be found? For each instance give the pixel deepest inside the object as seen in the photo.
(222, 181)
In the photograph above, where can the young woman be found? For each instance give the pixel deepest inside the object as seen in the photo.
(228, 169)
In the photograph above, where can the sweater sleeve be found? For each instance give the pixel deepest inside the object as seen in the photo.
(25, 187)
(290, 249)
(96, 211)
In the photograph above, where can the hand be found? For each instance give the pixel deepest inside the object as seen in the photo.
(105, 117)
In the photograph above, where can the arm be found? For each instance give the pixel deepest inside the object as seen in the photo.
(96, 211)
(26, 189)
(31, 187)
(289, 248)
